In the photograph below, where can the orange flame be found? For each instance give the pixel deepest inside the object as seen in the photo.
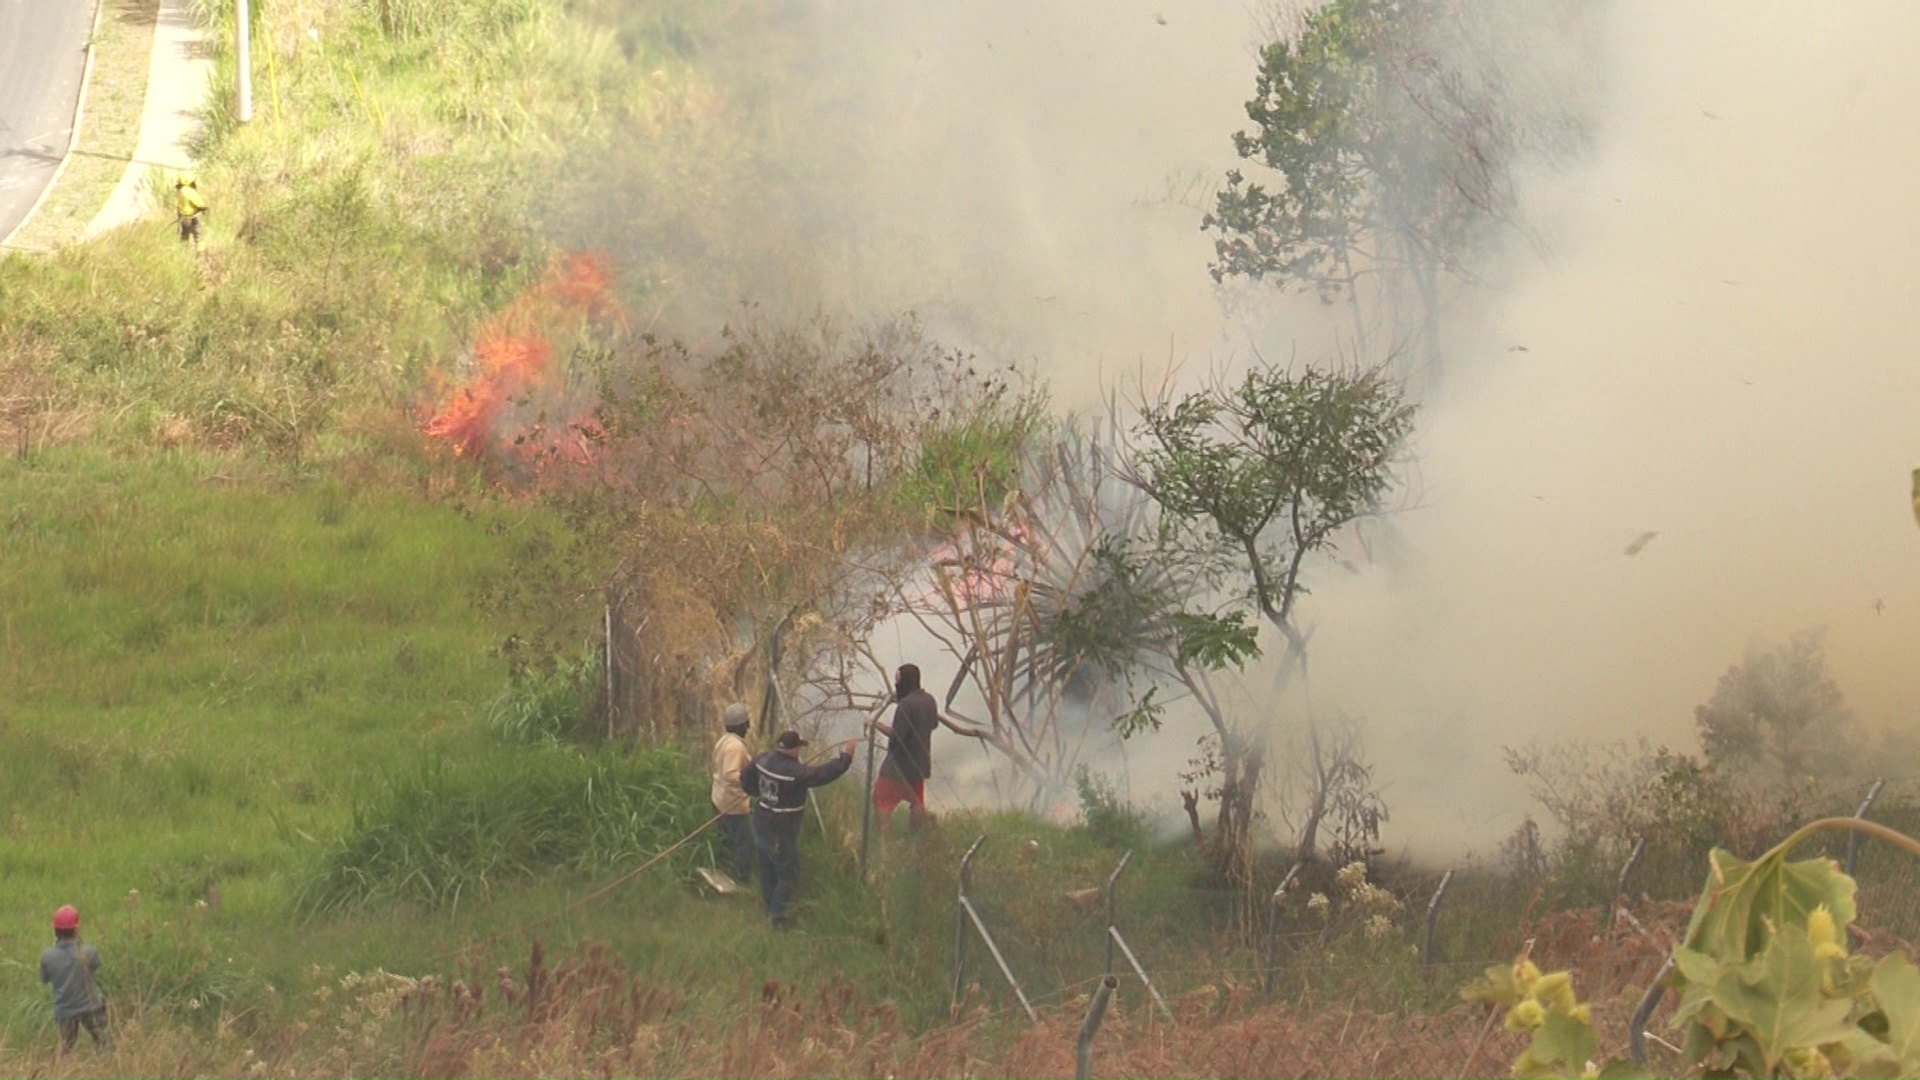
(981, 572)
(514, 373)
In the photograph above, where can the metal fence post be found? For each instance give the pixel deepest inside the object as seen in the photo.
(1637, 1024)
(1114, 940)
(1111, 878)
(866, 811)
(243, 61)
(1113, 935)
(1273, 922)
(960, 922)
(1433, 910)
(612, 704)
(967, 913)
(1096, 1011)
(1620, 883)
(1853, 838)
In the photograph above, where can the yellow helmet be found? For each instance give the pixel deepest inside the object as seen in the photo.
(185, 179)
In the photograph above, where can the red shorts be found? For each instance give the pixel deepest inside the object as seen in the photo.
(889, 793)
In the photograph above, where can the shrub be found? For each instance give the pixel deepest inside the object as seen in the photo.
(445, 835)
(1108, 817)
(554, 705)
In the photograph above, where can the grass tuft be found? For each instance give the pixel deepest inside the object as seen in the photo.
(549, 707)
(444, 835)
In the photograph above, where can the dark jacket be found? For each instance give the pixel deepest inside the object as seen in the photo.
(778, 784)
(910, 747)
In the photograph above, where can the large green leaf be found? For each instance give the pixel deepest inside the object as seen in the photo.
(1862, 1055)
(1778, 997)
(1740, 1054)
(1896, 986)
(1744, 900)
(1696, 974)
(1562, 1046)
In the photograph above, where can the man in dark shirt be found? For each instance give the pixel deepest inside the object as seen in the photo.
(909, 760)
(777, 782)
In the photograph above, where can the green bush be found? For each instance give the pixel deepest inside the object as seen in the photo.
(445, 835)
(551, 706)
(974, 462)
(1108, 817)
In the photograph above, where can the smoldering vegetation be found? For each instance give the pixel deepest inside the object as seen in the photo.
(1671, 425)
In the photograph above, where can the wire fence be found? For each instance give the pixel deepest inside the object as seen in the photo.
(1316, 944)
(1303, 994)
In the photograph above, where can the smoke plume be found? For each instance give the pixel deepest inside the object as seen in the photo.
(1702, 338)
(1713, 351)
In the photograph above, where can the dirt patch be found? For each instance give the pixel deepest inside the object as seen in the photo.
(134, 12)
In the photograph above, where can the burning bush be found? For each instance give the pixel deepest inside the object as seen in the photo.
(520, 408)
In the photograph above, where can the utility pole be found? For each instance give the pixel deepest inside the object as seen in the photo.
(243, 52)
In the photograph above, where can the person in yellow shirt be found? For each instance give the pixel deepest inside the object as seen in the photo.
(730, 755)
(188, 207)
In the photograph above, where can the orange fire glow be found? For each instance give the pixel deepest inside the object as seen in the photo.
(512, 409)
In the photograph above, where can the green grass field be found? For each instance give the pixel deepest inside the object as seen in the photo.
(211, 688)
(197, 676)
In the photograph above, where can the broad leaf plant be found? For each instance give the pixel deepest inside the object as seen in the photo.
(1766, 984)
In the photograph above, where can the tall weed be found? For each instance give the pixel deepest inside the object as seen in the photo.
(444, 835)
(554, 705)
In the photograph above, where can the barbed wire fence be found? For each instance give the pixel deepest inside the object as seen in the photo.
(1151, 952)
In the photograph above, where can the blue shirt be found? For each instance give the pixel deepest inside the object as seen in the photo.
(73, 991)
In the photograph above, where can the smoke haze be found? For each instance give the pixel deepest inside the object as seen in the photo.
(1713, 347)
(1717, 350)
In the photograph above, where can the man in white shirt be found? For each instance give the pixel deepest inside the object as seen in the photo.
(730, 755)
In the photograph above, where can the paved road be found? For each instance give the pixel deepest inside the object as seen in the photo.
(43, 51)
(177, 76)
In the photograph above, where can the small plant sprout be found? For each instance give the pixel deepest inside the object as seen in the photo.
(1563, 1042)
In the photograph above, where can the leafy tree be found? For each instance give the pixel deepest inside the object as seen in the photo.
(1121, 577)
(1063, 616)
(1778, 713)
(1251, 478)
(1265, 471)
(1385, 135)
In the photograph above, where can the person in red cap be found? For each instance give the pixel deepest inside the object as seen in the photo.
(68, 966)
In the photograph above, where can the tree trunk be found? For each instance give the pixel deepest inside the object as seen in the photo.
(1191, 799)
(1310, 829)
(1231, 854)
(1426, 275)
(1319, 782)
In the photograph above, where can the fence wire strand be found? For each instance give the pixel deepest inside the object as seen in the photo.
(1337, 960)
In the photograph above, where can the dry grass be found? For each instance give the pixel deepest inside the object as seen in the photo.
(34, 415)
(591, 1015)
